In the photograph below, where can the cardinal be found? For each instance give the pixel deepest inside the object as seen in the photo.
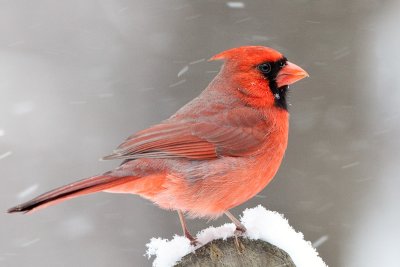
(213, 154)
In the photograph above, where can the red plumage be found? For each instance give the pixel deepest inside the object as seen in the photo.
(216, 152)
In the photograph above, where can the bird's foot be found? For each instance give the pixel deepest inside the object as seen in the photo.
(239, 245)
(240, 230)
(193, 241)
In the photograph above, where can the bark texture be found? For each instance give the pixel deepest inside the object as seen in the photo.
(237, 252)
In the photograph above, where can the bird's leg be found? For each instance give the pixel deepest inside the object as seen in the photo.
(240, 229)
(186, 232)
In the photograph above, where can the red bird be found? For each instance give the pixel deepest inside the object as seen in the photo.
(213, 154)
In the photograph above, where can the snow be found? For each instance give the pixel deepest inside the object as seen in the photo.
(341, 53)
(183, 71)
(272, 227)
(262, 224)
(197, 61)
(235, 4)
(30, 242)
(168, 252)
(5, 155)
(242, 20)
(350, 165)
(177, 83)
(320, 241)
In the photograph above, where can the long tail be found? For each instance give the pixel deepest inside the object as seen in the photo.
(82, 187)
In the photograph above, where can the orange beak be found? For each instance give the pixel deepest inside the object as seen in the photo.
(289, 74)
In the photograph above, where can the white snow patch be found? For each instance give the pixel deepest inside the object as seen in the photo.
(28, 191)
(213, 233)
(5, 155)
(168, 252)
(2, 132)
(320, 241)
(177, 83)
(183, 71)
(355, 163)
(272, 227)
(262, 224)
(243, 20)
(235, 4)
(197, 61)
(30, 242)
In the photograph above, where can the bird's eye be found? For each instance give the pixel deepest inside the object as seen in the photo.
(265, 67)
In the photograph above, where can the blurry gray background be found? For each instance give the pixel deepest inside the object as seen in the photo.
(77, 77)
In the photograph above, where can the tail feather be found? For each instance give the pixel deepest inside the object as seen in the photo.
(82, 187)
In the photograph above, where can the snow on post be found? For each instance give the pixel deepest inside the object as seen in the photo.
(264, 228)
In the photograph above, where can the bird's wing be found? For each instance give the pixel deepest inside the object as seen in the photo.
(235, 132)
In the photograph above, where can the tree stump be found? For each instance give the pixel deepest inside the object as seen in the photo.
(238, 252)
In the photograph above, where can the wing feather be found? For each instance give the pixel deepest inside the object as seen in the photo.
(231, 133)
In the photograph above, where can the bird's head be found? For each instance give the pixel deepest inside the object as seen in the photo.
(260, 75)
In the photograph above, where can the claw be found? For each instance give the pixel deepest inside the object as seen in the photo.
(193, 241)
(240, 230)
(239, 245)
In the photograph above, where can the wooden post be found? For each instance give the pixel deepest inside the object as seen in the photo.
(237, 253)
